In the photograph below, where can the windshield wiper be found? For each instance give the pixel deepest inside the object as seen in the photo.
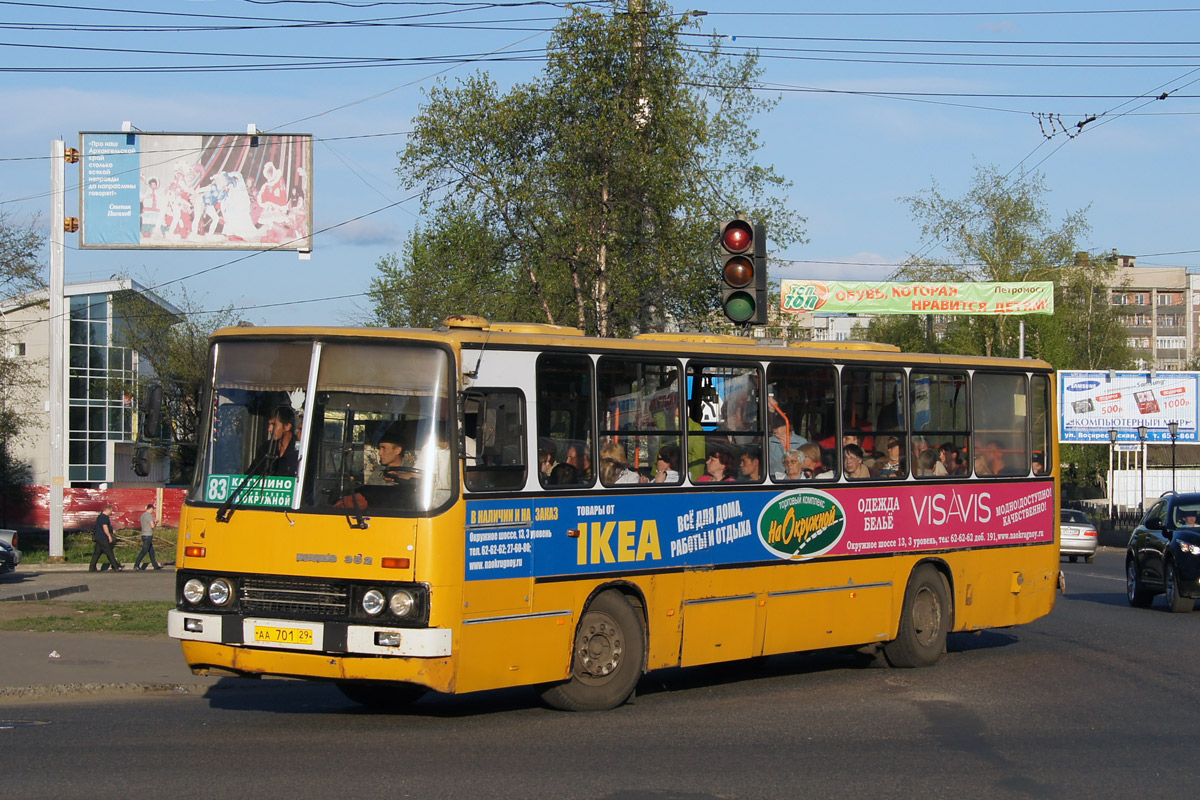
(257, 470)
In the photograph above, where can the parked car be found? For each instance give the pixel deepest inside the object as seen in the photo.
(1077, 536)
(1163, 556)
(10, 556)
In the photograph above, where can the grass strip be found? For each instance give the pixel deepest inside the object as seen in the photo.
(147, 617)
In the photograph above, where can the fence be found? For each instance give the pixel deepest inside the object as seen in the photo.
(31, 510)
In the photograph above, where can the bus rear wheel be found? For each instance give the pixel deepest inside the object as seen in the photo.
(606, 663)
(924, 621)
(382, 695)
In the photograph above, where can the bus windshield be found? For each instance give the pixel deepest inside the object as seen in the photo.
(374, 440)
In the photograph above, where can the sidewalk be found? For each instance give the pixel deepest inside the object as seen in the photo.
(38, 665)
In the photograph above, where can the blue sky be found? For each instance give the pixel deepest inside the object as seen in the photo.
(852, 147)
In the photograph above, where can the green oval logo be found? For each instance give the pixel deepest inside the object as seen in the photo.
(801, 524)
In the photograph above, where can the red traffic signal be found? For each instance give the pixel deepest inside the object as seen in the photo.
(742, 247)
(736, 236)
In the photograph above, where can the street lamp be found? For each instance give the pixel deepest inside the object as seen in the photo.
(1173, 427)
(1112, 490)
(1142, 438)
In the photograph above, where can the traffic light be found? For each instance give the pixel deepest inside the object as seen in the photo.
(742, 246)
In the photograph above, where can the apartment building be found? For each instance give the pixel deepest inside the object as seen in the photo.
(1160, 309)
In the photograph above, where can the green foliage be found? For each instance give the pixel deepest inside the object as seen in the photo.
(20, 274)
(589, 196)
(909, 333)
(1001, 231)
(176, 348)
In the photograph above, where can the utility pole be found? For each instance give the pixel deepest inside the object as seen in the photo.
(58, 323)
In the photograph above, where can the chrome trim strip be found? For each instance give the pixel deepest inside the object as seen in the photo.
(543, 614)
(818, 590)
(705, 600)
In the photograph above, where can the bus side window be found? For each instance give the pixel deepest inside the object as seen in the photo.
(801, 421)
(940, 424)
(566, 443)
(641, 421)
(724, 423)
(1001, 417)
(874, 421)
(1040, 427)
(494, 440)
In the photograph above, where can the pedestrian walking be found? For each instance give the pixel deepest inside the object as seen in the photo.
(103, 536)
(148, 526)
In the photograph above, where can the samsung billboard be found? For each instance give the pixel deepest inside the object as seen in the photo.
(1094, 402)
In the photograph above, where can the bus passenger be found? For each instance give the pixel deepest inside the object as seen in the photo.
(546, 460)
(928, 465)
(283, 459)
(781, 440)
(666, 467)
(577, 457)
(750, 464)
(991, 460)
(793, 469)
(811, 465)
(614, 466)
(563, 474)
(853, 458)
(950, 458)
(892, 464)
(718, 467)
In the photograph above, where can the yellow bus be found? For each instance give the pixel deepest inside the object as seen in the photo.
(488, 505)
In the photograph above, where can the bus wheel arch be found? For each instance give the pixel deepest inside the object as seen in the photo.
(608, 653)
(926, 617)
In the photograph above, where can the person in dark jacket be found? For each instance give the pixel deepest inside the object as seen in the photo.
(103, 536)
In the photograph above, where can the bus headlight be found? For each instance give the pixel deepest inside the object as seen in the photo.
(220, 592)
(401, 602)
(373, 602)
(193, 591)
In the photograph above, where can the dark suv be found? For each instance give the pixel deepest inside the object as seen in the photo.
(1164, 554)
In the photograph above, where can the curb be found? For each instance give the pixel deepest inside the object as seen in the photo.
(48, 594)
(26, 566)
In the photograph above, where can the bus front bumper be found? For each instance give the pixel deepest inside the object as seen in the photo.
(308, 637)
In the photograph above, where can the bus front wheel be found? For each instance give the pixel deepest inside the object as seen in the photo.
(924, 621)
(383, 695)
(606, 662)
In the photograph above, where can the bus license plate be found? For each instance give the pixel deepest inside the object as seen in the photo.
(269, 633)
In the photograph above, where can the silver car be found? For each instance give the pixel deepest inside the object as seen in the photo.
(1078, 536)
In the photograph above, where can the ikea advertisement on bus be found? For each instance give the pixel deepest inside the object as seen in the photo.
(202, 191)
(1094, 402)
(551, 536)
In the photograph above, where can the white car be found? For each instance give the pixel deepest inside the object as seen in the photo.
(1078, 536)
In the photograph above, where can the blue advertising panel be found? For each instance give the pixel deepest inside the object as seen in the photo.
(195, 191)
(111, 200)
(606, 533)
(1093, 402)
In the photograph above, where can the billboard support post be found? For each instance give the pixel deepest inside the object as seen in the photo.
(1112, 490)
(1173, 427)
(1141, 431)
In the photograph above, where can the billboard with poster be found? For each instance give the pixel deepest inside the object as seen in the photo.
(199, 191)
(1093, 402)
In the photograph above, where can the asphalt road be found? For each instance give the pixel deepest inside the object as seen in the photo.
(1097, 700)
